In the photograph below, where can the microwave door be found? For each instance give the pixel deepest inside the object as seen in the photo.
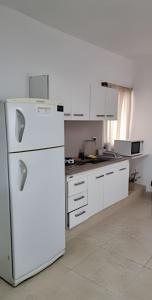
(135, 148)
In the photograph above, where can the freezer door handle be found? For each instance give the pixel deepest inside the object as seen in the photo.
(22, 175)
(20, 125)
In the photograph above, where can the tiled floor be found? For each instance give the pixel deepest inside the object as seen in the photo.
(107, 258)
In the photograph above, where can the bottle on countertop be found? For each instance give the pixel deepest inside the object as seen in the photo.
(81, 155)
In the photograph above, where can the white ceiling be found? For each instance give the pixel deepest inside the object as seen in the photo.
(121, 26)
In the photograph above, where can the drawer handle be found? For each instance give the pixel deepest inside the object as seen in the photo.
(100, 116)
(80, 198)
(79, 183)
(110, 173)
(110, 116)
(67, 114)
(78, 115)
(80, 214)
(122, 169)
(97, 177)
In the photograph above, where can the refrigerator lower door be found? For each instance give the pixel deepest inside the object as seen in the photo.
(37, 209)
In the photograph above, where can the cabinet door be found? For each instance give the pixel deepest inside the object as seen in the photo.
(80, 100)
(123, 182)
(110, 188)
(97, 107)
(95, 192)
(116, 183)
(111, 104)
(62, 94)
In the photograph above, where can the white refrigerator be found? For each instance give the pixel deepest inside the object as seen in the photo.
(32, 193)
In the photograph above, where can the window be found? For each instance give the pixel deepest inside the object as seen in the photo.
(120, 129)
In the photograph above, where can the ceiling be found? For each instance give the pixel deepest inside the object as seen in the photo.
(120, 26)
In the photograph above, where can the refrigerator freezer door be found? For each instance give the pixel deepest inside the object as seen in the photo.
(33, 126)
(37, 208)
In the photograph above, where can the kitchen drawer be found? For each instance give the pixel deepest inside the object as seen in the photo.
(78, 185)
(78, 216)
(77, 201)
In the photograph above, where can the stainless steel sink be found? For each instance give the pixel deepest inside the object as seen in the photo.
(93, 160)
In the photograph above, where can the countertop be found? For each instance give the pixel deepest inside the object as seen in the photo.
(75, 169)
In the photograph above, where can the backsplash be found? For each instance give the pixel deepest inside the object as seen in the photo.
(78, 131)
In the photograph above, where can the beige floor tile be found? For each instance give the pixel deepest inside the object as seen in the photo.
(141, 287)
(99, 234)
(137, 210)
(76, 250)
(149, 263)
(109, 270)
(138, 251)
(57, 283)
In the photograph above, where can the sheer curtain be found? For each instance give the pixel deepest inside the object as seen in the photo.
(120, 129)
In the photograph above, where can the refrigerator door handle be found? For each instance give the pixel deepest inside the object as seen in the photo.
(20, 125)
(22, 175)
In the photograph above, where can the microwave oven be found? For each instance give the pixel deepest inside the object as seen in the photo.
(128, 148)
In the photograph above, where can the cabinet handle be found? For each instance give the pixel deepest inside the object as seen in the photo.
(78, 115)
(81, 213)
(122, 169)
(110, 116)
(67, 114)
(79, 183)
(80, 198)
(97, 177)
(100, 116)
(109, 173)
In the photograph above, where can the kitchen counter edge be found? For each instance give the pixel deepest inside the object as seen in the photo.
(78, 169)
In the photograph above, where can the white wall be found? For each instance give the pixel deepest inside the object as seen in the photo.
(142, 117)
(29, 47)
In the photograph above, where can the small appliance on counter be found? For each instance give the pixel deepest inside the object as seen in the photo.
(129, 148)
(69, 161)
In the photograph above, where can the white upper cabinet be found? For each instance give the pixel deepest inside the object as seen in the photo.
(74, 95)
(111, 103)
(97, 105)
(62, 93)
(80, 100)
(104, 102)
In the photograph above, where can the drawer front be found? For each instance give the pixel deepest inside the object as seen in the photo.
(78, 216)
(77, 186)
(77, 201)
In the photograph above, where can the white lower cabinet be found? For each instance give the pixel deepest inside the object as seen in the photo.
(91, 192)
(110, 188)
(95, 192)
(123, 181)
(78, 216)
(116, 183)
(77, 185)
(76, 200)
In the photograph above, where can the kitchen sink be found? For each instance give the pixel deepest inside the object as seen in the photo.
(101, 159)
(93, 160)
